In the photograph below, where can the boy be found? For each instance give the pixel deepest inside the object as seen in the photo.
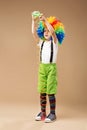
(47, 79)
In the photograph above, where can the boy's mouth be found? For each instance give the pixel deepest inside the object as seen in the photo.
(46, 35)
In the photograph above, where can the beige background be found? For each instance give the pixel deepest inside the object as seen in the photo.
(19, 54)
(19, 59)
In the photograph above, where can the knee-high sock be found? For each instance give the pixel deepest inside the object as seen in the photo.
(43, 102)
(52, 101)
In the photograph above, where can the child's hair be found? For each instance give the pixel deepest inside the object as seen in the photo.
(56, 24)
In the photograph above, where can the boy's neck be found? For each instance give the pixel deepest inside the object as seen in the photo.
(48, 39)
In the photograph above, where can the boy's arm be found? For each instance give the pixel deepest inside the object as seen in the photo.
(34, 28)
(50, 28)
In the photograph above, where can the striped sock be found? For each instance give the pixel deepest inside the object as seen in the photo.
(43, 103)
(52, 101)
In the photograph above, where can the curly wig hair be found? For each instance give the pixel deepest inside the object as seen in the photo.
(58, 28)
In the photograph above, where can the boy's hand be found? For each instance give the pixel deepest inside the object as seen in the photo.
(35, 18)
(42, 18)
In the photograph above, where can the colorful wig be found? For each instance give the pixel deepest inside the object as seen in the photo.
(58, 28)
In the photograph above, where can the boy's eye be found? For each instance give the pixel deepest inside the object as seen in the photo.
(45, 30)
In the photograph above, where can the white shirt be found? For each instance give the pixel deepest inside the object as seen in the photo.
(46, 51)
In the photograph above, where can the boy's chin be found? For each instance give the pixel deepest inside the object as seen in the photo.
(47, 38)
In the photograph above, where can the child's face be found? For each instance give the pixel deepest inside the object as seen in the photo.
(47, 34)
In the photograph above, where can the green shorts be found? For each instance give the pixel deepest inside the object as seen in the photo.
(47, 78)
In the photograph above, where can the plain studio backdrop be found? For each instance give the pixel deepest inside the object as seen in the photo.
(19, 56)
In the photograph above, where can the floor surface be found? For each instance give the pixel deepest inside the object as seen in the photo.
(21, 117)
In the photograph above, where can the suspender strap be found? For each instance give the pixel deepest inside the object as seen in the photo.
(51, 57)
(41, 51)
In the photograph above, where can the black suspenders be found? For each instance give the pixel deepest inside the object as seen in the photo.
(51, 57)
(41, 51)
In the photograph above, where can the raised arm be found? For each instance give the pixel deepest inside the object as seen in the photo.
(49, 27)
(34, 28)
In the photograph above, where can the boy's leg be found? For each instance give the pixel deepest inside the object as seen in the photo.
(42, 114)
(52, 101)
(43, 103)
(52, 115)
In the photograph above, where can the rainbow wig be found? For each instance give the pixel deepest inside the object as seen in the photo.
(58, 28)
